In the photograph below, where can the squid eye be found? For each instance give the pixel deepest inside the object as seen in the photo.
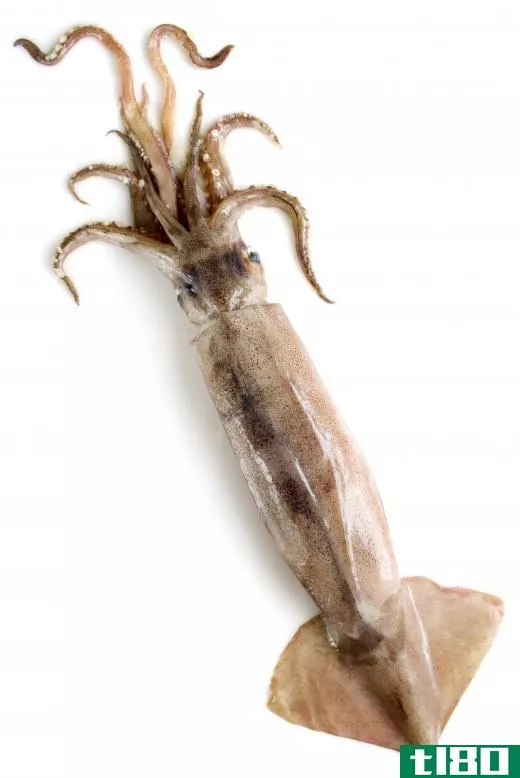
(189, 287)
(254, 256)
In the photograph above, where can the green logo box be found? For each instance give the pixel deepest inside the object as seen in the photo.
(437, 761)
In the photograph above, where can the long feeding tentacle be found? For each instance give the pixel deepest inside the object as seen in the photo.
(154, 49)
(133, 114)
(214, 168)
(116, 172)
(161, 255)
(229, 210)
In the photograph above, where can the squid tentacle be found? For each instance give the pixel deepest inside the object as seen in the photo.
(162, 256)
(145, 101)
(193, 205)
(154, 50)
(229, 210)
(145, 185)
(215, 170)
(116, 172)
(132, 111)
(144, 217)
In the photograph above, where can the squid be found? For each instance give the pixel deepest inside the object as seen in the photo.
(385, 659)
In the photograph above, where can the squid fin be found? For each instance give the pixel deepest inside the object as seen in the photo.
(317, 687)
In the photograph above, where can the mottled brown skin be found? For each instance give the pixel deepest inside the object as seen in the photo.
(367, 658)
(319, 501)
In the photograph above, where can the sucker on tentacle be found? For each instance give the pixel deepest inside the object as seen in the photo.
(154, 50)
(214, 167)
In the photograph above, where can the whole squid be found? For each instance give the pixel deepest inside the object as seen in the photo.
(386, 659)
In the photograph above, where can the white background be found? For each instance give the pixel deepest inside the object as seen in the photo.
(142, 605)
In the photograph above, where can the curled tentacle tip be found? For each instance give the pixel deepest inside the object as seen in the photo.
(322, 294)
(116, 132)
(34, 51)
(225, 52)
(68, 283)
(29, 46)
(72, 189)
(218, 59)
(123, 135)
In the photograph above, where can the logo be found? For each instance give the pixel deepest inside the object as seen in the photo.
(460, 760)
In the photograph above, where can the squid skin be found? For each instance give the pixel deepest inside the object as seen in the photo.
(386, 659)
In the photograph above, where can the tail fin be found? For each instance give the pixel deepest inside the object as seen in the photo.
(314, 685)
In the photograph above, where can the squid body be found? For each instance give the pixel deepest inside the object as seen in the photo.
(387, 659)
